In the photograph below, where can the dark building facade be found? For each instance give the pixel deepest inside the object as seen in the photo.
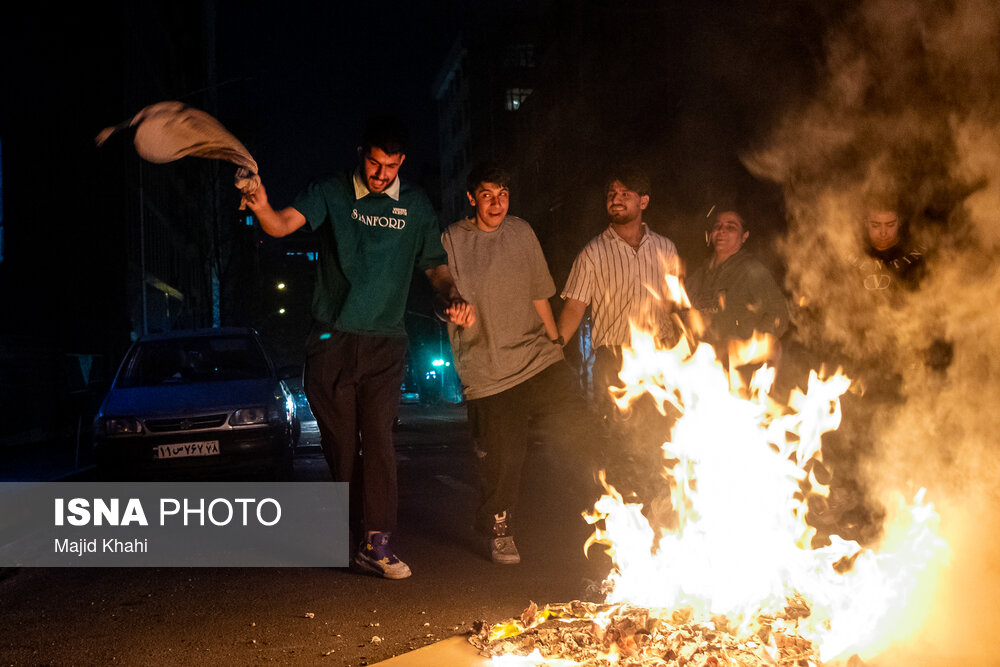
(480, 89)
(99, 246)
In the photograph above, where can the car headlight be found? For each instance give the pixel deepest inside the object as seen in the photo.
(248, 417)
(121, 426)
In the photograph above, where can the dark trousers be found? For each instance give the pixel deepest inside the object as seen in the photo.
(352, 382)
(607, 365)
(501, 429)
(638, 431)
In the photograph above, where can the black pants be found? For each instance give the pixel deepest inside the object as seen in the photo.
(352, 382)
(501, 429)
(638, 432)
(607, 366)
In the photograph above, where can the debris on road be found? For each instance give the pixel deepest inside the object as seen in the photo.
(571, 631)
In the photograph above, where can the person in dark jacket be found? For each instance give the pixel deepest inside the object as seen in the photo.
(734, 292)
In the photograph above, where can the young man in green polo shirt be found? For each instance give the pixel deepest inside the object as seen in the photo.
(373, 230)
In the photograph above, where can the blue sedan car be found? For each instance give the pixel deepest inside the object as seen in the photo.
(200, 400)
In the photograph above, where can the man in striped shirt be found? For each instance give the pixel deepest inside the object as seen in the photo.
(621, 275)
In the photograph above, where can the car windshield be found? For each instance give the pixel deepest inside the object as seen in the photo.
(196, 359)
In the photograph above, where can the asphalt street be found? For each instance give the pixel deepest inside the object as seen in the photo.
(234, 616)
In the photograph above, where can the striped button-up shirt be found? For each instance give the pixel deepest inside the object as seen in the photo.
(622, 284)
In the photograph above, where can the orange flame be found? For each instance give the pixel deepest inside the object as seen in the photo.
(737, 468)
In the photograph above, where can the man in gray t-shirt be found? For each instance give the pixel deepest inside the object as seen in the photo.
(510, 359)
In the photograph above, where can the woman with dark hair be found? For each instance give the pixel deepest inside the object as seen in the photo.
(734, 292)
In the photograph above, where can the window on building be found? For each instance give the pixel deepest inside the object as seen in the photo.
(520, 55)
(516, 97)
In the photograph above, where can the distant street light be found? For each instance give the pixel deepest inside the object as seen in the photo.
(281, 311)
(281, 285)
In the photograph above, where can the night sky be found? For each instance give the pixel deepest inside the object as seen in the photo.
(313, 75)
(302, 77)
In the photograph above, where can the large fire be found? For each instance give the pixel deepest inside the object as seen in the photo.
(739, 558)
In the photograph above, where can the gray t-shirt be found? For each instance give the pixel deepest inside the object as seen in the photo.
(501, 273)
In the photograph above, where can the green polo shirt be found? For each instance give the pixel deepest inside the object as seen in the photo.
(369, 246)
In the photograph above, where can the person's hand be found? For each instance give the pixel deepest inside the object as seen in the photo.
(461, 313)
(256, 200)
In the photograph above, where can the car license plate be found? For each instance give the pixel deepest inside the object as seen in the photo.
(208, 448)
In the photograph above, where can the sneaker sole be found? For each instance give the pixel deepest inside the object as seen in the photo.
(506, 561)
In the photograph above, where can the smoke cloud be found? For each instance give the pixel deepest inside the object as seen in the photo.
(910, 113)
